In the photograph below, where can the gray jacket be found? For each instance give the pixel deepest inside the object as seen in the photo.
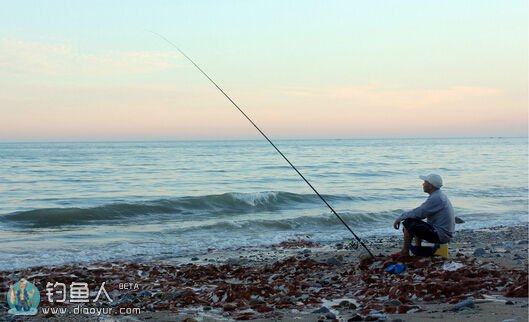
(439, 213)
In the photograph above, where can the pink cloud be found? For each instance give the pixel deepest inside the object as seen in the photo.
(27, 57)
(380, 96)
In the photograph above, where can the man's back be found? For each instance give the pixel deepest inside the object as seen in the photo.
(443, 219)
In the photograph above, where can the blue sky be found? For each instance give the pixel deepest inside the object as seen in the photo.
(91, 70)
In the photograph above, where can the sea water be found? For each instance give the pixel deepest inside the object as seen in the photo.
(87, 201)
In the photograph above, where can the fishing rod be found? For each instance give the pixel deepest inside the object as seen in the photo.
(269, 141)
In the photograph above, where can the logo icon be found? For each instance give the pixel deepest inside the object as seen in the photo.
(23, 298)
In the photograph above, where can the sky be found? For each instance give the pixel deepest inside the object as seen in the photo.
(93, 70)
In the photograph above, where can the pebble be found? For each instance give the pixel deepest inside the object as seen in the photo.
(348, 305)
(322, 309)
(378, 316)
(256, 299)
(330, 316)
(522, 242)
(478, 252)
(465, 304)
(394, 302)
(176, 294)
(334, 261)
(357, 317)
(145, 294)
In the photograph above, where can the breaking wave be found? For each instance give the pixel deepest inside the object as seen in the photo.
(213, 206)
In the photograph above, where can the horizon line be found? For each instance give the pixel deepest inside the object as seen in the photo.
(261, 139)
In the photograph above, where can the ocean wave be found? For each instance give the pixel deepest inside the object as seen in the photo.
(301, 223)
(208, 205)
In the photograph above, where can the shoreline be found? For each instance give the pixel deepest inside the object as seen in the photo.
(214, 255)
(292, 279)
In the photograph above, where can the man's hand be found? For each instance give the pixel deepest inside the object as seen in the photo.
(396, 224)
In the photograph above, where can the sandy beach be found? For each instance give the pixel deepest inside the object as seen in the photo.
(306, 281)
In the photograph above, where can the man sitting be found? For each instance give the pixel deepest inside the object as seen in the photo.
(438, 211)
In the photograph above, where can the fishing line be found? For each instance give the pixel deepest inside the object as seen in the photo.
(269, 141)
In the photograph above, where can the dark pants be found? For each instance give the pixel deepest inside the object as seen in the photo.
(22, 305)
(422, 230)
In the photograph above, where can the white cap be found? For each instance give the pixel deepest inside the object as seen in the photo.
(434, 179)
